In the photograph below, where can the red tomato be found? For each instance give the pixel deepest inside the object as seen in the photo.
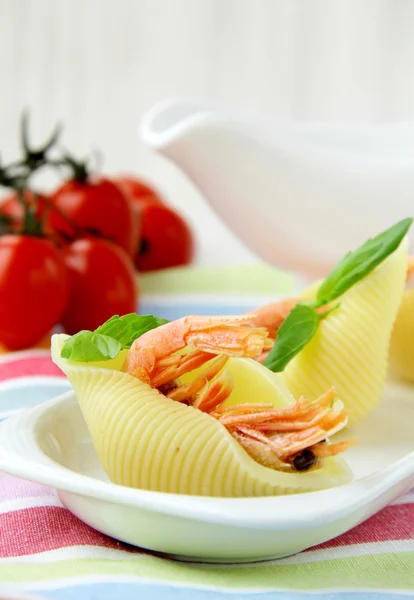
(33, 289)
(11, 207)
(166, 239)
(137, 227)
(102, 283)
(138, 190)
(98, 206)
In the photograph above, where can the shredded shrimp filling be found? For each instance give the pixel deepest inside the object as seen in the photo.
(291, 439)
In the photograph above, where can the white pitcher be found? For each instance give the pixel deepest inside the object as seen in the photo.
(299, 194)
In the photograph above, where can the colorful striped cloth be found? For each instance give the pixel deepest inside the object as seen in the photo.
(46, 552)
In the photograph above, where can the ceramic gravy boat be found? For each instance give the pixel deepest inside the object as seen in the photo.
(298, 194)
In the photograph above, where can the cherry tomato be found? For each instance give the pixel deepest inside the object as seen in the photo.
(11, 207)
(102, 284)
(166, 239)
(138, 190)
(98, 206)
(33, 289)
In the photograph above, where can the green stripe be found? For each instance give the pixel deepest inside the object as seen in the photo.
(257, 278)
(389, 571)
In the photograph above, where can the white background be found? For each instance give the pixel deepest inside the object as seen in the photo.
(98, 65)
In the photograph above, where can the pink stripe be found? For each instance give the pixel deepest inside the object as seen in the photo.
(12, 488)
(34, 530)
(25, 366)
(392, 523)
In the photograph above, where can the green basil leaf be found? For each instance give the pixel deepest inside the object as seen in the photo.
(296, 331)
(107, 341)
(358, 263)
(128, 328)
(88, 346)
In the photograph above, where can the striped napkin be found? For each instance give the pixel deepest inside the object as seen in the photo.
(46, 552)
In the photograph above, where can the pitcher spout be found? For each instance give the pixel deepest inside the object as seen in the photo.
(168, 122)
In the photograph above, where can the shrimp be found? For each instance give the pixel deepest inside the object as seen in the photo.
(290, 431)
(279, 438)
(272, 315)
(230, 335)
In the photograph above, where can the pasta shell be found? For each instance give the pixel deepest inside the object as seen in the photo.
(350, 349)
(145, 440)
(402, 340)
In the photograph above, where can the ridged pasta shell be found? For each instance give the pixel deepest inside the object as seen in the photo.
(350, 349)
(145, 440)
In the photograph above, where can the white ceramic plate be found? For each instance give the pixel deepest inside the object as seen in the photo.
(50, 444)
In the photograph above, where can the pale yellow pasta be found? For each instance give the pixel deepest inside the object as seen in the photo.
(350, 348)
(402, 340)
(145, 440)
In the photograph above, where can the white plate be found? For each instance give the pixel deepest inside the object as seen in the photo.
(50, 444)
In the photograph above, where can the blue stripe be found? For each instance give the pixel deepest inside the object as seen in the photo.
(111, 591)
(24, 396)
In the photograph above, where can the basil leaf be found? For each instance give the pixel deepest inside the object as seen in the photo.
(296, 331)
(107, 341)
(88, 346)
(128, 328)
(358, 263)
